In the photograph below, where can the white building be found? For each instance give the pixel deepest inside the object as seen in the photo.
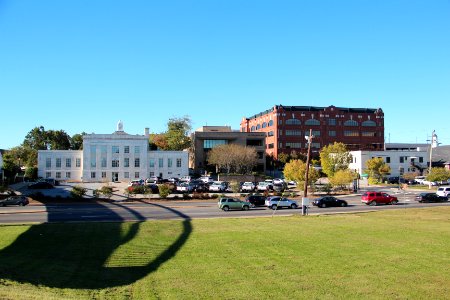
(402, 158)
(112, 157)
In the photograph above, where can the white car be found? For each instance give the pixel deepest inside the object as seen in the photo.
(279, 202)
(248, 187)
(218, 186)
(263, 186)
(443, 191)
(207, 179)
(278, 181)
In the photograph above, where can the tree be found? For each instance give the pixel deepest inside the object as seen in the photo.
(295, 170)
(58, 140)
(158, 141)
(178, 133)
(377, 168)
(342, 178)
(36, 139)
(438, 174)
(233, 158)
(76, 142)
(334, 157)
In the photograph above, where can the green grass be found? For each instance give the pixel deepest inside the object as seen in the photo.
(402, 254)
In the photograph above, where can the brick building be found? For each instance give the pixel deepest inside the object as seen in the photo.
(286, 127)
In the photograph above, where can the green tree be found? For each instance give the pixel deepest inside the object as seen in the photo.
(58, 139)
(296, 169)
(377, 168)
(178, 133)
(438, 174)
(76, 141)
(342, 178)
(36, 139)
(334, 157)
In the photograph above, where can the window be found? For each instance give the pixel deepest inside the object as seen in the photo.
(137, 162)
(332, 133)
(92, 174)
(126, 162)
(136, 175)
(314, 133)
(315, 145)
(68, 174)
(293, 145)
(293, 122)
(332, 122)
(369, 124)
(103, 150)
(58, 162)
(351, 133)
(388, 160)
(126, 175)
(58, 175)
(253, 128)
(93, 156)
(270, 146)
(402, 159)
(209, 144)
(78, 162)
(402, 171)
(270, 123)
(313, 122)
(264, 125)
(48, 174)
(115, 163)
(115, 149)
(351, 123)
(137, 149)
(280, 122)
(48, 162)
(270, 133)
(160, 162)
(169, 163)
(258, 127)
(126, 149)
(178, 162)
(103, 174)
(103, 162)
(152, 174)
(294, 132)
(367, 133)
(152, 162)
(420, 159)
(280, 132)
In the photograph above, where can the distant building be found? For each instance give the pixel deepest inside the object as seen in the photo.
(112, 157)
(285, 128)
(1, 163)
(207, 137)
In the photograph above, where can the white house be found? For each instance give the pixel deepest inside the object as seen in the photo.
(112, 157)
(402, 158)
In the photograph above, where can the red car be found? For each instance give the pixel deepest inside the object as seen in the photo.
(375, 198)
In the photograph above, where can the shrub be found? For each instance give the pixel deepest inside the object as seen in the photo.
(106, 191)
(164, 191)
(214, 196)
(186, 196)
(205, 196)
(96, 193)
(78, 192)
(197, 195)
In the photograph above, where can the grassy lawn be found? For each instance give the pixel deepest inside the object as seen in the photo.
(403, 254)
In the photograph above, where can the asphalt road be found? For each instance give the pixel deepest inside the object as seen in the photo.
(163, 210)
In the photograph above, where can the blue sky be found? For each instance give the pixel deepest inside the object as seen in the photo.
(83, 65)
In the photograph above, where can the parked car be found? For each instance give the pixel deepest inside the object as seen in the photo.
(218, 186)
(136, 182)
(279, 202)
(40, 185)
(186, 178)
(248, 187)
(279, 187)
(6, 194)
(263, 186)
(199, 186)
(153, 179)
(375, 198)
(231, 203)
(329, 201)
(393, 179)
(207, 179)
(419, 179)
(257, 200)
(14, 200)
(270, 182)
(173, 180)
(443, 191)
(430, 197)
(278, 181)
(185, 187)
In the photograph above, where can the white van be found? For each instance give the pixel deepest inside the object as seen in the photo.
(443, 191)
(419, 179)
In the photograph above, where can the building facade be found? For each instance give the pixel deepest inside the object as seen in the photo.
(208, 137)
(285, 128)
(112, 157)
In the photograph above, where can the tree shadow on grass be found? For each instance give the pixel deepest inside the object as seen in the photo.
(77, 255)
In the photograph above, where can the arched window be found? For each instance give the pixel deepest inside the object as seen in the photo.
(264, 125)
(369, 123)
(312, 122)
(253, 128)
(258, 127)
(271, 123)
(350, 123)
(293, 122)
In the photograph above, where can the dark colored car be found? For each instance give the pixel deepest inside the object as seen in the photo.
(199, 186)
(257, 200)
(15, 200)
(329, 201)
(6, 194)
(430, 197)
(393, 179)
(40, 185)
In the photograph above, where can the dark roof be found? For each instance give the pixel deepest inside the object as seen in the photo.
(441, 154)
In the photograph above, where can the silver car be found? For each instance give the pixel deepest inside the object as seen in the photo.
(279, 202)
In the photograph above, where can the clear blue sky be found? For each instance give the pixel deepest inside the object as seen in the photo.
(81, 65)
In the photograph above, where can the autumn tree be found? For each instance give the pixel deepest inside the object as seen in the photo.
(334, 157)
(175, 138)
(438, 174)
(377, 168)
(233, 158)
(295, 170)
(342, 178)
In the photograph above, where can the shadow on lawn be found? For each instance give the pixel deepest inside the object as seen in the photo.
(54, 255)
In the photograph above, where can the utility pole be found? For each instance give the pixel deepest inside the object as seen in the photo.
(305, 200)
(432, 145)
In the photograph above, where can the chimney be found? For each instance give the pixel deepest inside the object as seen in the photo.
(147, 131)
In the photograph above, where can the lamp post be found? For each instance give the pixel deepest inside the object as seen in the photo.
(305, 201)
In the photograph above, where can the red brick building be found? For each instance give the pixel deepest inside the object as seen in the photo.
(287, 126)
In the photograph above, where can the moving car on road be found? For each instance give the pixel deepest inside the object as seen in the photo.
(329, 201)
(14, 200)
(430, 197)
(443, 191)
(279, 202)
(40, 185)
(232, 203)
(375, 198)
(257, 200)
